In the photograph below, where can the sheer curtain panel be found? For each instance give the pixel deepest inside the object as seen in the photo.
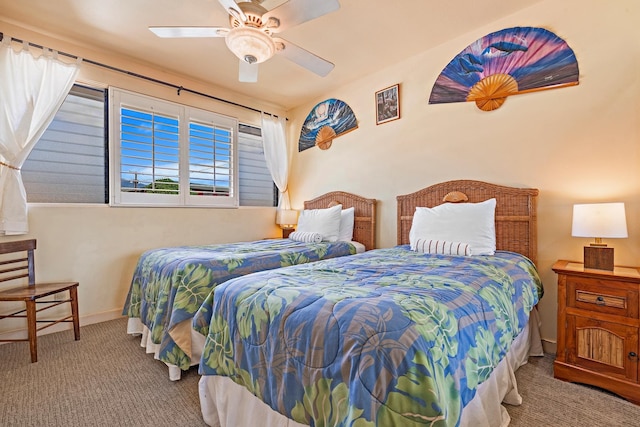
(276, 151)
(32, 89)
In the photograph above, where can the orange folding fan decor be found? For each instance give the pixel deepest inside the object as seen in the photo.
(508, 62)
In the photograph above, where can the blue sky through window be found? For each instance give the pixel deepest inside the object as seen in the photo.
(150, 154)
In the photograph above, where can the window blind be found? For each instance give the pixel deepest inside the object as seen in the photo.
(68, 164)
(256, 185)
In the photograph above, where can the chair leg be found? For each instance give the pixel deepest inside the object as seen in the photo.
(31, 324)
(73, 293)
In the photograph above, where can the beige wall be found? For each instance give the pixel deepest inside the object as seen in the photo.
(576, 144)
(97, 245)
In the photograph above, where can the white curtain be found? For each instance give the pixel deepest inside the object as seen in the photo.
(32, 89)
(276, 153)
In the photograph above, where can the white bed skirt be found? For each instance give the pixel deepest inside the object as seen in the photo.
(227, 404)
(184, 334)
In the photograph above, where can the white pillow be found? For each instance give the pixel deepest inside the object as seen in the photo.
(323, 221)
(306, 237)
(441, 247)
(347, 218)
(472, 223)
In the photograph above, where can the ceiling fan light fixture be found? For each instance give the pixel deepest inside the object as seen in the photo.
(250, 44)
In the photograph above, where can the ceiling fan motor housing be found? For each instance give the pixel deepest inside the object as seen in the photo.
(252, 10)
(250, 40)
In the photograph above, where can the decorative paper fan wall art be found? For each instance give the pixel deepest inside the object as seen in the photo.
(327, 120)
(507, 62)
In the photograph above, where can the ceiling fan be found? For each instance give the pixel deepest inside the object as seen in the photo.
(251, 36)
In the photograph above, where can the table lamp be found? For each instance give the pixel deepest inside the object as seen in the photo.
(599, 220)
(287, 220)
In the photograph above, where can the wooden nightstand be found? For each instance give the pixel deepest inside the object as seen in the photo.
(598, 327)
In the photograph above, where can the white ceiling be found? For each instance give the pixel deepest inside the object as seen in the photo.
(359, 38)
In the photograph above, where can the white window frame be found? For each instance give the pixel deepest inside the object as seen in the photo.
(185, 114)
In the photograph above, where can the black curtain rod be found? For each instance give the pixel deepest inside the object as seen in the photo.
(140, 76)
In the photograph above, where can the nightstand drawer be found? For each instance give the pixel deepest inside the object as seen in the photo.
(602, 296)
(601, 299)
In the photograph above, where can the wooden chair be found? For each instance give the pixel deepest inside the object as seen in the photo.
(17, 263)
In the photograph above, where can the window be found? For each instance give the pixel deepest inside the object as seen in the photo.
(149, 152)
(70, 163)
(166, 154)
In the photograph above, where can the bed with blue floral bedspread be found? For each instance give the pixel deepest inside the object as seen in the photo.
(387, 338)
(169, 284)
(390, 337)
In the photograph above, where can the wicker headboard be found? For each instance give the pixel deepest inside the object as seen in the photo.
(364, 228)
(516, 219)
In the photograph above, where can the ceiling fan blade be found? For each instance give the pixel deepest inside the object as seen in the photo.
(295, 12)
(171, 32)
(303, 57)
(232, 8)
(248, 72)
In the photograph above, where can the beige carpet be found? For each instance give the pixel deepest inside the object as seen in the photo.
(107, 379)
(551, 402)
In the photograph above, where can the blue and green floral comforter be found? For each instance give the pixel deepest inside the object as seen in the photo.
(169, 284)
(389, 337)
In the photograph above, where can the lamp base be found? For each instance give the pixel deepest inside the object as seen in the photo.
(287, 231)
(598, 257)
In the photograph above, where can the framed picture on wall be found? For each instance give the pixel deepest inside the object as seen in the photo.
(388, 104)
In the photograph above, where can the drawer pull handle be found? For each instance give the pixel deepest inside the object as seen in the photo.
(600, 300)
(632, 354)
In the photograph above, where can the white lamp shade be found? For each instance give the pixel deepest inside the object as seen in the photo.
(599, 220)
(287, 217)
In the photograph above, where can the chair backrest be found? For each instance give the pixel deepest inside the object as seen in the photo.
(19, 262)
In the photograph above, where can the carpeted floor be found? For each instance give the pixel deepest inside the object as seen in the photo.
(107, 379)
(551, 402)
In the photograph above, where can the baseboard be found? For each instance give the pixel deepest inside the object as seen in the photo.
(549, 346)
(84, 321)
